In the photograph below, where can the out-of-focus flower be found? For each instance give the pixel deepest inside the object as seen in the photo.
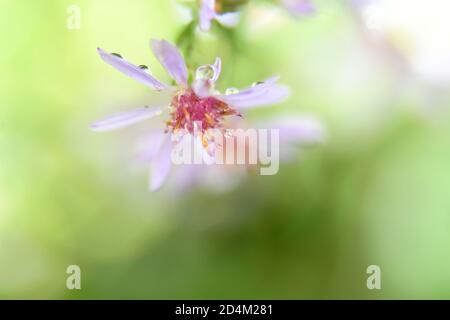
(209, 11)
(414, 31)
(299, 7)
(193, 109)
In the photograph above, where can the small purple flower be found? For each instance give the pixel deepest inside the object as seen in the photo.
(208, 13)
(193, 108)
(299, 7)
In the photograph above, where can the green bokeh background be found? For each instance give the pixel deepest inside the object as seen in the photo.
(376, 192)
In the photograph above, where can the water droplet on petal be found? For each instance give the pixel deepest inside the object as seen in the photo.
(143, 67)
(206, 72)
(117, 55)
(231, 91)
(257, 83)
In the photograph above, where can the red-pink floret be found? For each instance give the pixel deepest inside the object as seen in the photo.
(188, 108)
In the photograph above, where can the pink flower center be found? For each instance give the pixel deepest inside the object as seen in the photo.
(188, 109)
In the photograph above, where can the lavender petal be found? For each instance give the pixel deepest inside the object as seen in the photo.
(265, 93)
(299, 7)
(251, 92)
(207, 14)
(131, 70)
(123, 119)
(229, 19)
(273, 95)
(161, 165)
(217, 66)
(297, 130)
(171, 59)
(148, 145)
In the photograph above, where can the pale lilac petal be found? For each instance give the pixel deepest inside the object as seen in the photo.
(123, 119)
(295, 133)
(251, 92)
(171, 59)
(229, 19)
(217, 69)
(161, 165)
(262, 94)
(297, 130)
(273, 95)
(299, 7)
(148, 145)
(131, 70)
(207, 14)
